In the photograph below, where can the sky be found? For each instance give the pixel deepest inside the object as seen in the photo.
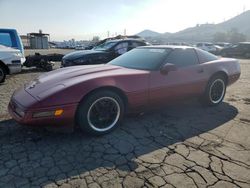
(83, 19)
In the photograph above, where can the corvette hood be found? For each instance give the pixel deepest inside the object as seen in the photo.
(61, 78)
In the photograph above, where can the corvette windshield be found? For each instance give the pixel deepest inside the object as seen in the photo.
(142, 58)
(105, 46)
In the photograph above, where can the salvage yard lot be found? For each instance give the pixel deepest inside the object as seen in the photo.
(183, 145)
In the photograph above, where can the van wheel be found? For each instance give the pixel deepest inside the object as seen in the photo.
(215, 91)
(100, 113)
(2, 74)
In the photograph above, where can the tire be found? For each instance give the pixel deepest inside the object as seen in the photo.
(2, 74)
(98, 107)
(48, 67)
(215, 91)
(42, 64)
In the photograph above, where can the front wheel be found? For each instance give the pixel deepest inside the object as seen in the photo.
(2, 74)
(215, 91)
(100, 112)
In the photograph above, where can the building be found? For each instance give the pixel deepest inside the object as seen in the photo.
(25, 41)
(38, 40)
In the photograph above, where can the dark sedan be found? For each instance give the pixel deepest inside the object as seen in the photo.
(101, 54)
(240, 50)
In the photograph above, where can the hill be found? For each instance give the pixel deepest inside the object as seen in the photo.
(205, 32)
(241, 22)
(148, 33)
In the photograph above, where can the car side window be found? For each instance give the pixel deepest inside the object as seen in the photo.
(205, 56)
(136, 44)
(183, 57)
(121, 48)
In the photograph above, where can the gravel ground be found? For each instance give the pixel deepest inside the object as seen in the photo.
(183, 145)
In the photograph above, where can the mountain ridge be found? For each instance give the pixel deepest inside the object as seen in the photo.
(148, 33)
(205, 32)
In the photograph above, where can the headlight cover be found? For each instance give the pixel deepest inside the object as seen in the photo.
(19, 54)
(50, 91)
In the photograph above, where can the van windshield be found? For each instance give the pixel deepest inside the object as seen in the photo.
(7, 38)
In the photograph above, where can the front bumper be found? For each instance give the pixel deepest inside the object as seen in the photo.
(15, 68)
(25, 116)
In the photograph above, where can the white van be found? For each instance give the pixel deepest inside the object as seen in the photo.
(11, 53)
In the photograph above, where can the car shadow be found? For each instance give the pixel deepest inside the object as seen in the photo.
(44, 157)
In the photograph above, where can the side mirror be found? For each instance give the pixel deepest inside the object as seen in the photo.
(168, 67)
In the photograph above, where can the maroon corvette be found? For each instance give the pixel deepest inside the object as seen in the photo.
(96, 97)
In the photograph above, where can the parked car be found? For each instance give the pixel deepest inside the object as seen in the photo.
(223, 44)
(209, 47)
(178, 44)
(102, 53)
(96, 97)
(80, 47)
(11, 53)
(241, 50)
(94, 44)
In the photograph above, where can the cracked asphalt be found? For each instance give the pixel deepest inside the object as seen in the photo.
(182, 145)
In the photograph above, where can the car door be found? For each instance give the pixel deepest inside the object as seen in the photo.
(245, 48)
(187, 80)
(236, 50)
(101, 58)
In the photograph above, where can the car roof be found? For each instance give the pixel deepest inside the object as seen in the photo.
(6, 29)
(244, 43)
(126, 40)
(167, 46)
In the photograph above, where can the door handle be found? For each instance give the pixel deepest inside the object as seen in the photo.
(200, 70)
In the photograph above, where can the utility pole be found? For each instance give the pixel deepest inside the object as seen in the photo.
(108, 34)
(125, 32)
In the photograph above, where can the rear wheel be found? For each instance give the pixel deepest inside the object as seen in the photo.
(2, 74)
(215, 91)
(100, 113)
